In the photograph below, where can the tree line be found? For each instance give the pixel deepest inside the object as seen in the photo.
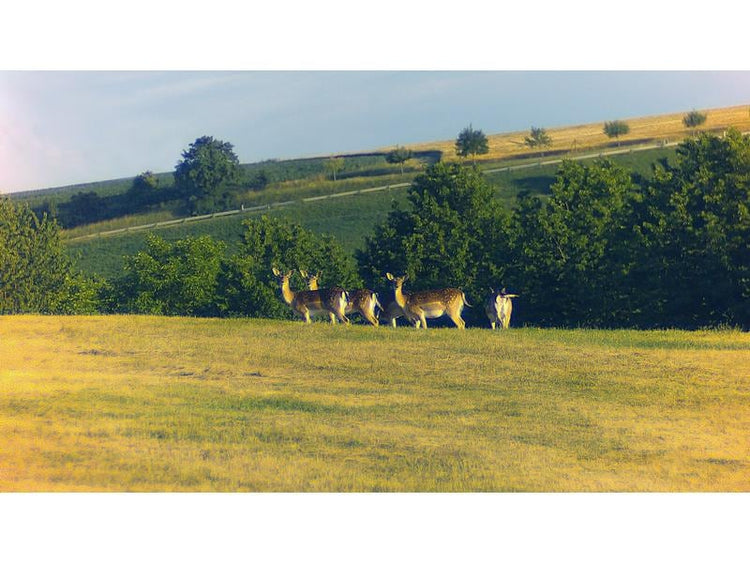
(606, 248)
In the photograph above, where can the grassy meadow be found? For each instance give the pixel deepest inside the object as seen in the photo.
(131, 403)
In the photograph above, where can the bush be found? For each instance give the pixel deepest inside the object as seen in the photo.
(248, 286)
(179, 278)
(36, 276)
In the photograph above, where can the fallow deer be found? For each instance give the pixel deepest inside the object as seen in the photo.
(499, 307)
(362, 301)
(391, 311)
(331, 301)
(418, 306)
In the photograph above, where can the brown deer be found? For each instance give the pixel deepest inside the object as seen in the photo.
(331, 301)
(391, 311)
(418, 306)
(362, 301)
(499, 307)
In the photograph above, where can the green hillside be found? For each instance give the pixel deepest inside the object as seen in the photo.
(349, 218)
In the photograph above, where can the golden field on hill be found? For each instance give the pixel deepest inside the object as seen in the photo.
(666, 128)
(129, 403)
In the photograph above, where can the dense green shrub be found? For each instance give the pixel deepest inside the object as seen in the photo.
(248, 285)
(179, 278)
(36, 276)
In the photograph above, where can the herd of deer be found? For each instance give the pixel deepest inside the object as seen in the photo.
(415, 306)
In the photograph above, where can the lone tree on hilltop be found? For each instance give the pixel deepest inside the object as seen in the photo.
(616, 129)
(206, 170)
(399, 155)
(694, 119)
(538, 137)
(471, 142)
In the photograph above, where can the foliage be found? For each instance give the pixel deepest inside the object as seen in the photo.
(83, 207)
(208, 167)
(672, 251)
(36, 276)
(695, 230)
(179, 278)
(399, 155)
(570, 256)
(248, 285)
(471, 142)
(333, 166)
(444, 239)
(694, 119)
(616, 129)
(538, 137)
(259, 181)
(144, 189)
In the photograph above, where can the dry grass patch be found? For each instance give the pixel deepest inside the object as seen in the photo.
(165, 404)
(668, 128)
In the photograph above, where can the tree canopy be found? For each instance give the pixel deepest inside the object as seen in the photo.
(248, 286)
(443, 238)
(36, 275)
(616, 129)
(471, 142)
(334, 166)
(694, 119)
(207, 168)
(538, 137)
(399, 155)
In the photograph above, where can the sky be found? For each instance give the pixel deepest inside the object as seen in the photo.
(69, 127)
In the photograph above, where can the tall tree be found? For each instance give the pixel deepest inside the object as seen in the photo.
(443, 239)
(471, 142)
(571, 254)
(538, 137)
(695, 230)
(616, 129)
(208, 167)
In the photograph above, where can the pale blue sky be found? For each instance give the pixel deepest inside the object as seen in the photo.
(63, 128)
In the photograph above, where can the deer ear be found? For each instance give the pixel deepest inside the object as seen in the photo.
(511, 295)
(389, 276)
(276, 272)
